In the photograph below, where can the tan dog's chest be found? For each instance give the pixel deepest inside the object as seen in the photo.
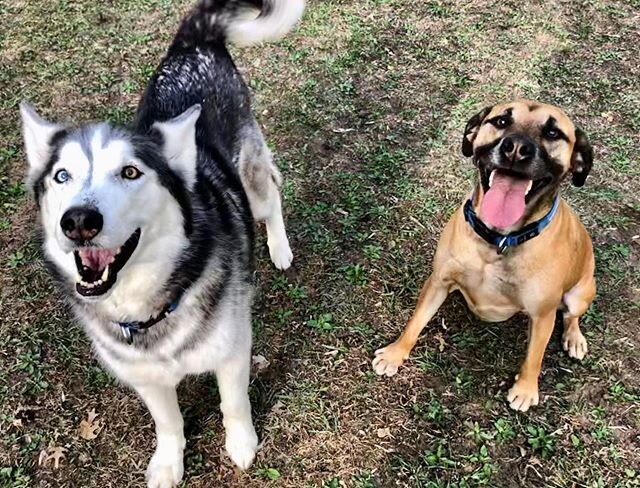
(489, 291)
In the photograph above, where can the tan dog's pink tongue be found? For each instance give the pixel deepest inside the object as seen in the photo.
(503, 205)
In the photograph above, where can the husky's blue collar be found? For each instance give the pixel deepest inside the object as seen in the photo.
(129, 329)
(502, 241)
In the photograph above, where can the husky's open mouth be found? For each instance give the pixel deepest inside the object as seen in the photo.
(98, 268)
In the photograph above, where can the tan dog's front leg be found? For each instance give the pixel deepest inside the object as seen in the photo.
(388, 359)
(524, 393)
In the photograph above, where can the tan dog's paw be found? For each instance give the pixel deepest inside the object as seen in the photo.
(388, 359)
(575, 344)
(523, 394)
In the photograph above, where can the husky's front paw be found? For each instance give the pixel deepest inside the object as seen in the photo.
(165, 469)
(280, 252)
(241, 444)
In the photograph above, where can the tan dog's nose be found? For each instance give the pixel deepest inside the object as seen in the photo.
(517, 148)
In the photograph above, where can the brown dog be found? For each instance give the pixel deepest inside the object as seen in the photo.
(516, 247)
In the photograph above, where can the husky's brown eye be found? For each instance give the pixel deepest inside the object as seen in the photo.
(131, 173)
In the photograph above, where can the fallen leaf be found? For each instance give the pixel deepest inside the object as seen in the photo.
(55, 454)
(382, 433)
(608, 116)
(259, 363)
(42, 458)
(278, 407)
(441, 342)
(91, 427)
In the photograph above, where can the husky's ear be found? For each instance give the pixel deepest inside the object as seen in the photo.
(37, 139)
(179, 145)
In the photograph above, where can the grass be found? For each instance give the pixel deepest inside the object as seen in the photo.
(364, 106)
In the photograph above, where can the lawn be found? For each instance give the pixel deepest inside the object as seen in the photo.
(364, 106)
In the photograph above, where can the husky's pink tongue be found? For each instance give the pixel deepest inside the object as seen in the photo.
(96, 259)
(503, 205)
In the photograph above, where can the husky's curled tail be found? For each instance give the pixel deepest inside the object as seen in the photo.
(241, 22)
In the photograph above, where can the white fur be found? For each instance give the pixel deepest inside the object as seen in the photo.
(155, 375)
(37, 134)
(261, 179)
(284, 15)
(180, 142)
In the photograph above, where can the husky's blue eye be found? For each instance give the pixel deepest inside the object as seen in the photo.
(61, 176)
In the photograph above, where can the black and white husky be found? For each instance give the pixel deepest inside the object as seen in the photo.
(149, 229)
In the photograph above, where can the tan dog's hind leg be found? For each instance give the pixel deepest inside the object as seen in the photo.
(524, 393)
(577, 301)
(432, 296)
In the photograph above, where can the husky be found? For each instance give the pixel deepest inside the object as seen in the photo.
(149, 229)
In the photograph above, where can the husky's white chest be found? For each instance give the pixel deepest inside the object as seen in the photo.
(178, 355)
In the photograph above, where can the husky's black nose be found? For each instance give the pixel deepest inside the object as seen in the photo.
(81, 224)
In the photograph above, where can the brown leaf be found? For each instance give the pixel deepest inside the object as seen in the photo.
(259, 363)
(441, 341)
(55, 454)
(91, 427)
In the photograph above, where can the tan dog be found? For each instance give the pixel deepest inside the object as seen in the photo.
(523, 150)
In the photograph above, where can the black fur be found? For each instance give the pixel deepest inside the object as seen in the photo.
(581, 159)
(206, 23)
(55, 143)
(473, 125)
(199, 69)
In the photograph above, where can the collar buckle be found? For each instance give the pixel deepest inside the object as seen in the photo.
(126, 332)
(130, 329)
(503, 245)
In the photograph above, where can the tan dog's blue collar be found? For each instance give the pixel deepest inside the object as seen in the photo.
(504, 241)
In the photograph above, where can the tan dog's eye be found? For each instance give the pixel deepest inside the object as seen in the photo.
(501, 122)
(131, 173)
(550, 133)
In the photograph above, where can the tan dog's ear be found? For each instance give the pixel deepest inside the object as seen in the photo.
(581, 159)
(471, 131)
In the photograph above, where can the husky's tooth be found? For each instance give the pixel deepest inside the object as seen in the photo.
(98, 283)
(491, 177)
(105, 274)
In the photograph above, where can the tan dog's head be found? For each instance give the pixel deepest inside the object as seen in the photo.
(523, 151)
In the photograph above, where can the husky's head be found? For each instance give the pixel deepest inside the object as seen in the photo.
(112, 202)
